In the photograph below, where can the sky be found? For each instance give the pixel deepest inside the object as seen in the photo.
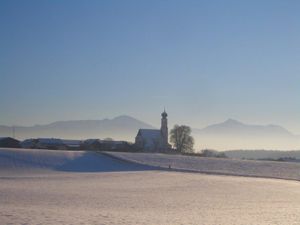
(205, 61)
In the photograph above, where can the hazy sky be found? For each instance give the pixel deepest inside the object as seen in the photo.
(206, 61)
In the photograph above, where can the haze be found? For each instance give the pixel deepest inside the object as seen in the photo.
(205, 61)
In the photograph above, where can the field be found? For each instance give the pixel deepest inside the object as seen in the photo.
(217, 166)
(57, 187)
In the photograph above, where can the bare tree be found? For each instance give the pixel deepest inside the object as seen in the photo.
(180, 137)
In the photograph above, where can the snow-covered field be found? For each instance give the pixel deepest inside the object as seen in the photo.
(59, 187)
(267, 169)
(34, 161)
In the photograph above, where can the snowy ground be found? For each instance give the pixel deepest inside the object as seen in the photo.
(267, 169)
(34, 161)
(51, 187)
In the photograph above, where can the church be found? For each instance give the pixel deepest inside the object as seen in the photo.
(154, 140)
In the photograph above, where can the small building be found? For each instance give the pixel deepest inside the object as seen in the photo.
(112, 145)
(72, 144)
(44, 143)
(8, 142)
(105, 145)
(154, 140)
(91, 144)
(29, 143)
(50, 143)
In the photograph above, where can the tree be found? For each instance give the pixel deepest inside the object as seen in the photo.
(180, 137)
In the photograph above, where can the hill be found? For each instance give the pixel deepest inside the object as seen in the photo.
(29, 161)
(233, 134)
(236, 167)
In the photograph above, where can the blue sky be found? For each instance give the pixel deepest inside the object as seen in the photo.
(205, 61)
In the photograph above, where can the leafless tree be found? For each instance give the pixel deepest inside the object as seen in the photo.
(180, 137)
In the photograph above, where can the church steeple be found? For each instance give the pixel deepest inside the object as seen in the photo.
(164, 114)
(164, 128)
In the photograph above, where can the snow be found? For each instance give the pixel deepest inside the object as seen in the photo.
(59, 187)
(268, 169)
(20, 161)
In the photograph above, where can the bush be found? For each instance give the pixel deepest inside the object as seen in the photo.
(212, 153)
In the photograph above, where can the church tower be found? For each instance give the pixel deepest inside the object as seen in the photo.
(164, 129)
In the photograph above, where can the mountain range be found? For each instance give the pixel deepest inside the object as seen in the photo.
(120, 128)
(233, 134)
(233, 128)
(228, 135)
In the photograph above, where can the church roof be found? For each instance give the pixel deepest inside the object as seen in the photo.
(149, 133)
(150, 136)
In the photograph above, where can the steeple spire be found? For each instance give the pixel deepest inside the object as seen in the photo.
(164, 128)
(164, 114)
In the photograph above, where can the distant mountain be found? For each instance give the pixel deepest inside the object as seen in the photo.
(121, 128)
(233, 127)
(233, 134)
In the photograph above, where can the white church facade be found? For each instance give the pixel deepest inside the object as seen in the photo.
(154, 140)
